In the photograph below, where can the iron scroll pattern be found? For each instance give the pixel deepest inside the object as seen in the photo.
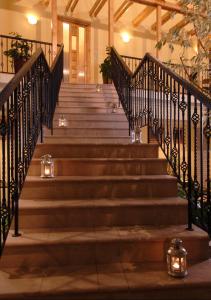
(26, 104)
(179, 117)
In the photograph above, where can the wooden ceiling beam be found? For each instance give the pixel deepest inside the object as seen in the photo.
(164, 5)
(122, 9)
(142, 16)
(100, 6)
(95, 5)
(68, 6)
(179, 25)
(74, 5)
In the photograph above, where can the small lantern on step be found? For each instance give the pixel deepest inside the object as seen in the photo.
(114, 108)
(177, 259)
(62, 121)
(98, 88)
(47, 166)
(136, 135)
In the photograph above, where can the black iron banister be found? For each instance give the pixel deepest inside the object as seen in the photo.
(179, 116)
(26, 104)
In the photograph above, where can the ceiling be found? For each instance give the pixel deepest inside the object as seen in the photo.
(83, 7)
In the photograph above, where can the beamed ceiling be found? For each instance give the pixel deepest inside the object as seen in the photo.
(127, 14)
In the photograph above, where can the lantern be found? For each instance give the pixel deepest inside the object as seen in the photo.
(62, 121)
(98, 88)
(136, 135)
(47, 166)
(114, 108)
(176, 259)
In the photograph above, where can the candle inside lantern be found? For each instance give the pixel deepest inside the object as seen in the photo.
(62, 121)
(47, 166)
(176, 259)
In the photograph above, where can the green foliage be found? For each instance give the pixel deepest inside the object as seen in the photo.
(200, 20)
(105, 67)
(19, 48)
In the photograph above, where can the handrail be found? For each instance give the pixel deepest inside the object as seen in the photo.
(179, 117)
(6, 66)
(26, 104)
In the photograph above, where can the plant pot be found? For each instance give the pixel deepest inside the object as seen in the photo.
(106, 80)
(18, 63)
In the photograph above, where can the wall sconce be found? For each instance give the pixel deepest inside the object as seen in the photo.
(32, 19)
(125, 37)
(63, 121)
(176, 259)
(136, 135)
(47, 166)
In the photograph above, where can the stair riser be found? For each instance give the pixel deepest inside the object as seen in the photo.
(87, 109)
(91, 117)
(88, 132)
(85, 140)
(103, 216)
(85, 99)
(100, 151)
(46, 189)
(93, 124)
(89, 95)
(91, 252)
(97, 168)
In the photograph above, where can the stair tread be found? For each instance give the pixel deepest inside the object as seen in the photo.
(67, 236)
(90, 203)
(103, 178)
(122, 160)
(99, 280)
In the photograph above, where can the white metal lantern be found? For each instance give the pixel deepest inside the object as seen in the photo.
(114, 108)
(47, 166)
(177, 259)
(136, 135)
(98, 88)
(62, 121)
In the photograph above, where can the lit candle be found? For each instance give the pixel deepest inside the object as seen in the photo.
(47, 171)
(176, 266)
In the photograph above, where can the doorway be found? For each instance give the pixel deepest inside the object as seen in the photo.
(76, 40)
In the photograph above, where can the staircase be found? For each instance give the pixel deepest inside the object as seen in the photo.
(101, 228)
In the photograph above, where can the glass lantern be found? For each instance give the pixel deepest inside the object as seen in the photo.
(47, 166)
(62, 121)
(114, 108)
(177, 259)
(136, 135)
(98, 88)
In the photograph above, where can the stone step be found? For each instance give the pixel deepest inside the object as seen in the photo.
(98, 150)
(101, 212)
(86, 132)
(88, 246)
(87, 109)
(91, 116)
(86, 139)
(93, 124)
(120, 281)
(86, 187)
(102, 166)
(78, 103)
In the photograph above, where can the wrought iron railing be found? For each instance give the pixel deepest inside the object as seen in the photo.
(26, 104)
(203, 80)
(179, 116)
(6, 65)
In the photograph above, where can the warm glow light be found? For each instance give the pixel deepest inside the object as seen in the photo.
(125, 37)
(65, 26)
(32, 19)
(81, 74)
(66, 72)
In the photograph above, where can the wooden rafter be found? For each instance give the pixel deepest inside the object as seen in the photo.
(94, 7)
(100, 6)
(122, 9)
(74, 5)
(142, 16)
(165, 18)
(180, 25)
(164, 5)
(68, 6)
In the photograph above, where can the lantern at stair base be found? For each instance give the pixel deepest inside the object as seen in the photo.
(47, 166)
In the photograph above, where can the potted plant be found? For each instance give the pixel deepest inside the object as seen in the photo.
(105, 69)
(19, 51)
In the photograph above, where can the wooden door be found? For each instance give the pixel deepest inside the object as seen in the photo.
(74, 52)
